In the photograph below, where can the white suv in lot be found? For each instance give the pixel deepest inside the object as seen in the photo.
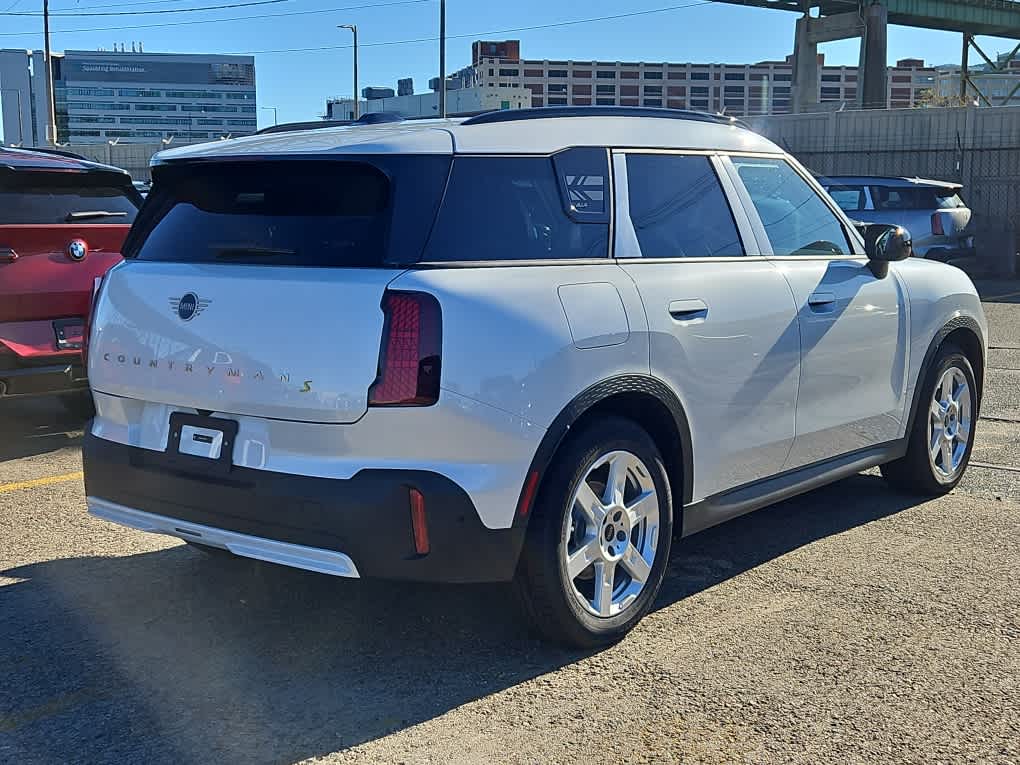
(533, 346)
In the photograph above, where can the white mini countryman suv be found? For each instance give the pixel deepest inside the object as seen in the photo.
(532, 346)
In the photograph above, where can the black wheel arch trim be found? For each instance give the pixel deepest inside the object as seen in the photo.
(957, 322)
(595, 394)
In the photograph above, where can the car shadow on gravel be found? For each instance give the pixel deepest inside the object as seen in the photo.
(171, 656)
(33, 426)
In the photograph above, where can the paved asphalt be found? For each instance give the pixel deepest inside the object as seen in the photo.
(852, 624)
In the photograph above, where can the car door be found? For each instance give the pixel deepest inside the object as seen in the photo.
(722, 322)
(853, 325)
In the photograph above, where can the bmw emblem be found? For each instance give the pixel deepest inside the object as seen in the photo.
(77, 249)
(187, 306)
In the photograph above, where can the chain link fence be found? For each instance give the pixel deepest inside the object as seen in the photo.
(977, 147)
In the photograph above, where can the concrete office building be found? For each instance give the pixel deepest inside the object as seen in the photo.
(739, 89)
(129, 97)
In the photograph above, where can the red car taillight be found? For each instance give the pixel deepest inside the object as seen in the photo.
(97, 286)
(411, 352)
(936, 225)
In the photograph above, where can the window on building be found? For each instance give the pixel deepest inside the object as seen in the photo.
(678, 208)
(509, 72)
(582, 74)
(699, 75)
(782, 77)
(734, 90)
(831, 77)
(581, 90)
(652, 74)
(653, 90)
(831, 92)
(75, 119)
(605, 74)
(134, 93)
(699, 103)
(247, 96)
(781, 90)
(653, 102)
(89, 91)
(98, 106)
(629, 75)
(699, 91)
(605, 101)
(605, 89)
(530, 73)
(557, 101)
(796, 220)
(155, 107)
(678, 75)
(734, 76)
(557, 87)
(559, 73)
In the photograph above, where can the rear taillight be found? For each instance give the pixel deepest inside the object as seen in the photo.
(90, 315)
(936, 225)
(410, 355)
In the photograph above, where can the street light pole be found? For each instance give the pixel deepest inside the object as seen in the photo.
(273, 109)
(442, 59)
(51, 101)
(357, 102)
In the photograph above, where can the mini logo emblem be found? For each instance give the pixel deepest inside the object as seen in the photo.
(188, 306)
(77, 249)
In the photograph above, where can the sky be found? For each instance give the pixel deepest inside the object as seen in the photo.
(399, 39)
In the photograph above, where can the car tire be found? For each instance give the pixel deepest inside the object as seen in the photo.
(624, 543)
(942, 437)
(79, 405)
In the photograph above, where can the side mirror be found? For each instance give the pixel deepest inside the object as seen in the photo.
(883, 244)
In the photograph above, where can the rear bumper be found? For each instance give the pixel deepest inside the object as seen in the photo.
(359, 526)
(60, 375)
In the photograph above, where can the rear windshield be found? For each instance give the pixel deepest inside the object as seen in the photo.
(371, 212)
(55, 197)
(915, 198)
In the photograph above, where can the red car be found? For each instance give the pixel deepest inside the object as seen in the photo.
(63, 220)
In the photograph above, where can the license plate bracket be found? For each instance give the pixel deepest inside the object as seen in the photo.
(201, 443)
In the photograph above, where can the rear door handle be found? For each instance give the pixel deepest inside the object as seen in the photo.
(688, 310)
(822, 301)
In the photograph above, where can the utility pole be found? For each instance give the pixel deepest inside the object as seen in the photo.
(442, 59)
(273, 110)
(357, 101)
(51, 100)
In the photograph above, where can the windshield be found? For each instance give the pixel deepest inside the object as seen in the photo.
(50, 197)
(295, 213)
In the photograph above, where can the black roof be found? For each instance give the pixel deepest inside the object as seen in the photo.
(554, 112)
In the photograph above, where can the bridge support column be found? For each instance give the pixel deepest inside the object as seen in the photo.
(874, 56)
(804, 93)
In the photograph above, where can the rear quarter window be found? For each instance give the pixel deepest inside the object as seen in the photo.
(45, 198)
(519, 208)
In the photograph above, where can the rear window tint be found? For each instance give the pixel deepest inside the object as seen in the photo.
(849, 198)
(915, 198)
(44, 198)
(514, 208)
(372, 212)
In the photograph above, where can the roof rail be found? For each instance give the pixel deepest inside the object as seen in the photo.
(553, 112)
(372, 118)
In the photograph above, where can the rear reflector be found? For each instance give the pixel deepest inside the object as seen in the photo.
(528, 495)
(936, 225)
(90, 315)
(419, 525)
(410, 355)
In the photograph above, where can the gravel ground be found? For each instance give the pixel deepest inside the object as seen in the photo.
(849, 625)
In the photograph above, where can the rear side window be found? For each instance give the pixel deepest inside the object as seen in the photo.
(915, 198)
(44, 198)
(678, 208)
(517, 208)
(372, 212)
(849, 198)
(796, 220)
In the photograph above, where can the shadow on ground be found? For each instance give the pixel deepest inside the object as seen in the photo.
(999, 290)
(171, 656)
(36, 425)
